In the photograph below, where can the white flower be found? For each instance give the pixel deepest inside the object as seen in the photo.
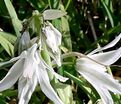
(95, 73)
(30, 69)
(53, 40)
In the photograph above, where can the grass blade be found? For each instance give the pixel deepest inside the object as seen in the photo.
(15, 21)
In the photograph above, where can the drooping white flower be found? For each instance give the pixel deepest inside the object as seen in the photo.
(30, 69)
(53, 40)
(95, 71)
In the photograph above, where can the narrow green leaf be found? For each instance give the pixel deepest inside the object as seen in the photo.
(54, 4)
(11, 38)
(114, 30)
(7, 45)
(109, 3)
(9, 93)
(67, 4)
(109, 13)
(15, 21)
(52, 14)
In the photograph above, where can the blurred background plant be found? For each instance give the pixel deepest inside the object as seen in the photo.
(87, 25)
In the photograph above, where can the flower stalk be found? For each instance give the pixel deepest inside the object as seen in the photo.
(46, 57)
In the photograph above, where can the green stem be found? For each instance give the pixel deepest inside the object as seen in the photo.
(72, 54)
(67, 5)
(46, 57)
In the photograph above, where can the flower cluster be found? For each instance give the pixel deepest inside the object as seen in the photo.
(31, 69)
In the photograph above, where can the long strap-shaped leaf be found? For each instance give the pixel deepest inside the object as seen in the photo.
(15, 21)
(109, 13)
(7, 45)
(10, 37)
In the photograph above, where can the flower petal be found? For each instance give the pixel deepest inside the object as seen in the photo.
(26, 87)
(53, 37)
(57, 33)
(100, 77)
(91, 64)
(42, 62)
(51, 40)
(30, 62)
(12, 76)
(111, 44)
(100, 80)
(107, 58)
(104, 94)
(56, 57)
(46, 86)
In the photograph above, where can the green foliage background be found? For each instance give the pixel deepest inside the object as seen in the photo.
(88, 23)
